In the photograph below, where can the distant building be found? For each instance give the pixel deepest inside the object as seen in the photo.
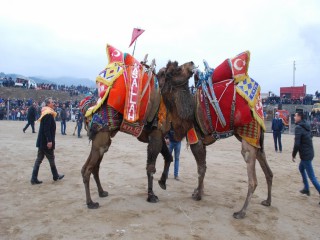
(293, 92)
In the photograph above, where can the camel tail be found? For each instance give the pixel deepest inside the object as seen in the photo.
(262, 140)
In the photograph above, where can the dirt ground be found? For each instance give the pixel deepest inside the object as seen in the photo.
(57, 210)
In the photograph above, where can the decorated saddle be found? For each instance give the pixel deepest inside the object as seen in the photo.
(228, 100)
(125, 86)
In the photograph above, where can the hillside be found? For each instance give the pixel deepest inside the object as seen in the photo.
(37, 95)
(68, 81)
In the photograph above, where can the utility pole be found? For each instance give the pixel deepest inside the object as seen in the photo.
(294, 71)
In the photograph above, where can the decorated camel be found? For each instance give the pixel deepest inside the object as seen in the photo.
(227, 102)
(129, 101)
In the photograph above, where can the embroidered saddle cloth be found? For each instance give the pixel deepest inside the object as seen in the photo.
(238, 98)
(125, 84)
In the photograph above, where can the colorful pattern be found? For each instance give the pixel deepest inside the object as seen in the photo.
(250, 132)
(249, 90)
(120, 85)
(105, 81)
(106, 118)
(86, 103)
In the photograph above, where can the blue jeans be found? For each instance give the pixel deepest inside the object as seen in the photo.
(277, 138)
(176, 147)
(79, 128)
(63, 126)
(305, 167)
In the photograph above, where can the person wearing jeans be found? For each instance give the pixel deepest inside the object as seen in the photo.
(303, 145)
(175, 146)
(79, 123)
(63, 116)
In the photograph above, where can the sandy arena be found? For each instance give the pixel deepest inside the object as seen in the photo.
(57, 210)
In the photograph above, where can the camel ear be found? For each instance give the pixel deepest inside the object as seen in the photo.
(161, 77)
(171, 67)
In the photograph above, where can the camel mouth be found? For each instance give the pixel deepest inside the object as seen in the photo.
(195, 68)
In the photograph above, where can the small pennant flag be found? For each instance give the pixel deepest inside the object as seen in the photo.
(135, 34)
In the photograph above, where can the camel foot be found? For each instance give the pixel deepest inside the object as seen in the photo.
(266, 203)
(239, 215)
(152, 198)
(196, 195)
(162, 184)
(93, 205)
(103, 194)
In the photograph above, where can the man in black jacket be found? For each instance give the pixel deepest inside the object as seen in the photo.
(303, 145)
(63, 116)
(46, 142)
(31, 117)
(277, 127)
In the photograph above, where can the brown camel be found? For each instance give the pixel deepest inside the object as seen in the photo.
(153, 134)
(181, 103)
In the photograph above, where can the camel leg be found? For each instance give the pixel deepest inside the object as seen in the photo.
(199, 152)
(261, 156)
(100, 145)
(154, 148)
(95, 173)
(249, 154)
(167, 161)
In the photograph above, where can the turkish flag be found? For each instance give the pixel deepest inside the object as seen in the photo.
(135, 34)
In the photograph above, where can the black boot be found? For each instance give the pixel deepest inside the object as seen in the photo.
(55, 174)
(307, 192)
(34, 178)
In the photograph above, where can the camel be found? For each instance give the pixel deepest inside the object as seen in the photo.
(182, 104)
(153, 134)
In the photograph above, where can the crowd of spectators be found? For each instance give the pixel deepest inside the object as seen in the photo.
(8, 82)
(18, 108)
(275, 100)
(72, 90)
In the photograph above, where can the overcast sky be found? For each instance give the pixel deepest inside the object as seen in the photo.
(68, 38)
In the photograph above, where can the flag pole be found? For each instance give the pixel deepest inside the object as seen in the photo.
(134, 48)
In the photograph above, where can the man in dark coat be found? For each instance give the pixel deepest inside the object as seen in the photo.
(31, 117)
(63, 116)
(46, 142)
(79, 122)
(277, 127)
(303, 145)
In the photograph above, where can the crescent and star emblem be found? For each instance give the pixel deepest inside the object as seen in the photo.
(236, 66)
(116, 53)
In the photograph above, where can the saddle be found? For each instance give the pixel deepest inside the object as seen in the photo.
(126, 86)
(228, 99)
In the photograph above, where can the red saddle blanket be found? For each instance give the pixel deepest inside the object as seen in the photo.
(224, 91)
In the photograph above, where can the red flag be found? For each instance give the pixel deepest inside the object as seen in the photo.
(135, 34)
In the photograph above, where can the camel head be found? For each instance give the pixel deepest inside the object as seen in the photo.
(175, 75)
(174, 85)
